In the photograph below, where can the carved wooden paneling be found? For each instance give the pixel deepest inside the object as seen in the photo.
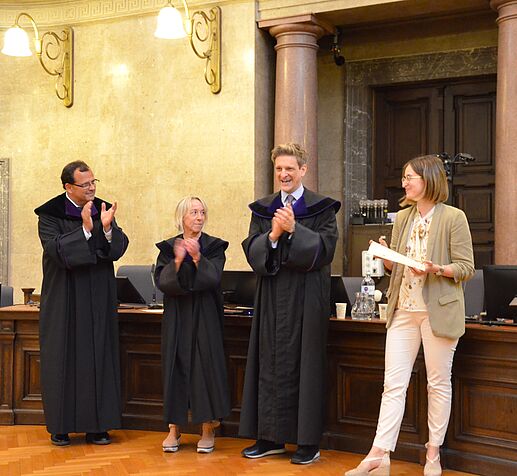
(31, 384)
(482, 436)
(236, 371)
(469, 126)
(143, 378)
(488, 410)
(27, 389)
(478, 204)
(236, 338)
(359, 395)
(407, 124)
(6, 372)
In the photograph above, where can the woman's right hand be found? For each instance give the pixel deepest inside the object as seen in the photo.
(382, 241)
(387, 263)
(179, 250)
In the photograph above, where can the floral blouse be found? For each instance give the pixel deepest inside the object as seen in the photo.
(410, 296)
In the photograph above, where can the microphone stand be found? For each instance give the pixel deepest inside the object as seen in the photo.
(154, 304)
(449, 164)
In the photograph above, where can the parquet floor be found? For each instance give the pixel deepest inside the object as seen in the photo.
(26, 450)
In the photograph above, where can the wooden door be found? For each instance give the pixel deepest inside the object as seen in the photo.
(407, 124)
(453, 116)
(469, 126)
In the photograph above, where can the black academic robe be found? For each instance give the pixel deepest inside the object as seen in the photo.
(80, 370)
(193, 361)
(284, 385)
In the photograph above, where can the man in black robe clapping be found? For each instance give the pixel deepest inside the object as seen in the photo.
(80, 371)
(290, 247)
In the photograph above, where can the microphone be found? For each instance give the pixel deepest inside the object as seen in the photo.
(154, 304)
(463, 157)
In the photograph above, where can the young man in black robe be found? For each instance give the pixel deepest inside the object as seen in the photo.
(290, 246)
(80, 371)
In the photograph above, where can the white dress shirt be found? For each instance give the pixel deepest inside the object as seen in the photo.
(283, 196)
(87, 234)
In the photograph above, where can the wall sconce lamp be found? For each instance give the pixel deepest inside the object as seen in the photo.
(204, 33)
(55, 54)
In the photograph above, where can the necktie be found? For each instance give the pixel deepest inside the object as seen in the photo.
(289, 200)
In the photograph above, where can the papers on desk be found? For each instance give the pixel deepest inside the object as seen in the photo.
(384, 252)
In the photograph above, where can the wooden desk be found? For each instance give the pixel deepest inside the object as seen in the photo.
(482, 435)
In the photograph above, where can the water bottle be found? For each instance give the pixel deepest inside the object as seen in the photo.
(368, 285)
(368, 289)
(361, 310)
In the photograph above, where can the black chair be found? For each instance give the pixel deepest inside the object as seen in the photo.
(140, 277)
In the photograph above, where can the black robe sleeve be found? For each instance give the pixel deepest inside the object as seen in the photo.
(307, 249)
(169, 281)
(113, 250)
(189, 278)
(261, 256)
(71, 249)
(68, 250)
(209, 272)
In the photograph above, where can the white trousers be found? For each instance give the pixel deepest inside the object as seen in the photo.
(403, 339)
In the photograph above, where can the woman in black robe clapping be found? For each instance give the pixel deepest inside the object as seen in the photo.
(188, 271)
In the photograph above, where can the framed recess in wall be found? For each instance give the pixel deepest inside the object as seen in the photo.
(4, 220)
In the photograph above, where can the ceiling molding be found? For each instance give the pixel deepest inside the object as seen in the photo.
(73, 12)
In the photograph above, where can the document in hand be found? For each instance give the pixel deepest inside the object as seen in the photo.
(384, 252)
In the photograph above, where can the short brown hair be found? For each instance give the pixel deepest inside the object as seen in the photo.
(290, 149)
(67, 175)
(183, 207)
(432, 171)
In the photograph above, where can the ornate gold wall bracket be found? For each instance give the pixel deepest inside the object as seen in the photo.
(204, 33)
(55, 53)
(206, 30)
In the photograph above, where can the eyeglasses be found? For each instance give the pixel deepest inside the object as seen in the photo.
(85, 185)
(408, 178)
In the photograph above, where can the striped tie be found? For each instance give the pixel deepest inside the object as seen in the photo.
(289, 200)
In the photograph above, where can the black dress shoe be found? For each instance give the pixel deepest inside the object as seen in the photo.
(263, 448)
(305, 454)
(98, 438)
(60, 439)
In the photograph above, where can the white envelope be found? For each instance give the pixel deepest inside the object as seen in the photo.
(387, 253)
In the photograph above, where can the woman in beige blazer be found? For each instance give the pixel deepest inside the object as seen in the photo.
(423, 307)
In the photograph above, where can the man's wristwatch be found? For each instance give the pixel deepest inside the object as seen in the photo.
(441, 270)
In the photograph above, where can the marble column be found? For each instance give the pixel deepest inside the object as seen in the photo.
(506, 137)
(296, 89)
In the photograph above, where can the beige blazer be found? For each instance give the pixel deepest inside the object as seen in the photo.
(449, 243)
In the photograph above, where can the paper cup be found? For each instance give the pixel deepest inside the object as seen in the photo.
(340, 310)
(383, 309)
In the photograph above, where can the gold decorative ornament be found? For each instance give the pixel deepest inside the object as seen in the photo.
(55, 53)
(204, 33)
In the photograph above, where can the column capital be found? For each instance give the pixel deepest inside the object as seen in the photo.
(506, 9)
(309, 24)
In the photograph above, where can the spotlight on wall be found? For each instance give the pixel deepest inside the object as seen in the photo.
(204, 33)
(55, 53)
(336, 50)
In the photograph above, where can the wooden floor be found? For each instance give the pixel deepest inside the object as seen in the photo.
(26, 450)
